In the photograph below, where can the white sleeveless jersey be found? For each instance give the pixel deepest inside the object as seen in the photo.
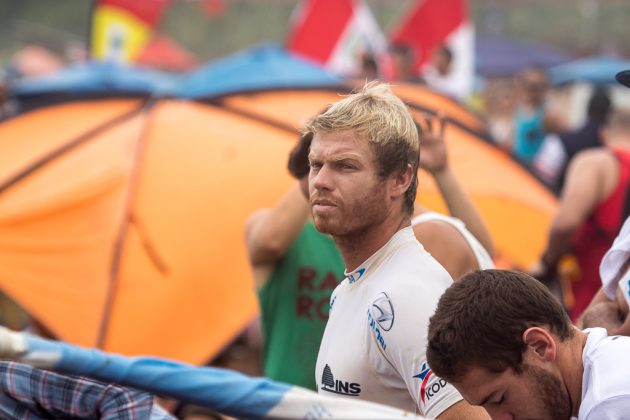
(484, 260)
(374, 345)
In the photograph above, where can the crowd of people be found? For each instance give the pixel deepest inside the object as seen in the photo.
(365, 295)
(522, 333)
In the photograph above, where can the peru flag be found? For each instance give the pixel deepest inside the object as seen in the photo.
(433, 23)
(336, 33)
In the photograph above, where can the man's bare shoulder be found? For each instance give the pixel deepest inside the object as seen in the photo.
(437, 232)
(447, 245)
(598, 157)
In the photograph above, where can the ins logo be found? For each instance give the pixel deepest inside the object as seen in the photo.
(427, 391)
(330, 384)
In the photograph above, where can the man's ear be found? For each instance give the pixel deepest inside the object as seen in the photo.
(402, 181)
(541, 342)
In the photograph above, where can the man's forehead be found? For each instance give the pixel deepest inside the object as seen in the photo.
(346, 142)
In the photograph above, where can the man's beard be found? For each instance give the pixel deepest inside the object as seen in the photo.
(357, 218)
(551, 392)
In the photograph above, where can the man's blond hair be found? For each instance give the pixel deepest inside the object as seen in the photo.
(374, 113)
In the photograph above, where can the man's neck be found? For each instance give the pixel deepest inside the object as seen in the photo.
(358, 247)
(572, 368)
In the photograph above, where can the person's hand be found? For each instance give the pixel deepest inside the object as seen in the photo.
(12, 344)
(433, 155)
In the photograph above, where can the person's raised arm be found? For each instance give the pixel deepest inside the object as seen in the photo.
(434, 159)
(270, 232)
(584, 188)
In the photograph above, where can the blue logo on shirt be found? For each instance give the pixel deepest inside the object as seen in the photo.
(359, 274)
(424, 371)
(377, 331)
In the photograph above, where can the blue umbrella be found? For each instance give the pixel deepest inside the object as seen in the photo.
(596, 70)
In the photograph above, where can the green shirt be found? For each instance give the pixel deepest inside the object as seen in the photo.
(294, 305)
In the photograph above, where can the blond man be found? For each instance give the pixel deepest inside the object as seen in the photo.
(362, 186)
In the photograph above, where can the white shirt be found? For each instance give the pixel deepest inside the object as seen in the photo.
(606, 378)
(550, 159)
(484, 261)
(374, 345)
(614, 260)
(451, 84)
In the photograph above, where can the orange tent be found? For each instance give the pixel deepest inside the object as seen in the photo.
(121, 219)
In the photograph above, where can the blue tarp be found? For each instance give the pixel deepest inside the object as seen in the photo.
(98, 77)
(596, 70)
(262, 67)
(501, 56)
(259, 68)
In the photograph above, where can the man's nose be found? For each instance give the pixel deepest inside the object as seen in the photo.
(322, 179)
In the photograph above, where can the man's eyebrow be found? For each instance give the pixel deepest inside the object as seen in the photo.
(345, 156)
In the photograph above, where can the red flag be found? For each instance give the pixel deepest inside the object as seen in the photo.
(434, 23)
(335, 33)
(213, 8)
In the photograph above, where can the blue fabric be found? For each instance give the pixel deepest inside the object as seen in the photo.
(262, 67)
(596, 70)
(528, 135)
(222, 390)
(97, 77)
(29, 393)
(497, 55)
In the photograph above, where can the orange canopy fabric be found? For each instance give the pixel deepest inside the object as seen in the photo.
(515, 205)
(121, 221)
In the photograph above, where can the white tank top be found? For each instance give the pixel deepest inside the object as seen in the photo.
(374, 345)
(483, 258)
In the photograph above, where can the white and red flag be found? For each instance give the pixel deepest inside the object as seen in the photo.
(430, 24)
(336, 33)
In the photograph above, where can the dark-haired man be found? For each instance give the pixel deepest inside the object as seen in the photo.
(506, 344)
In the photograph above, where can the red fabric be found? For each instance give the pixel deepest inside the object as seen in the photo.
(148, 11)
(596, 236)
(166, 54)
(213, 8)
(319, 28)
(428, 25)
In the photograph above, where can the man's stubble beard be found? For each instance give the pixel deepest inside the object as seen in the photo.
(556, 403)
(358, 219)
